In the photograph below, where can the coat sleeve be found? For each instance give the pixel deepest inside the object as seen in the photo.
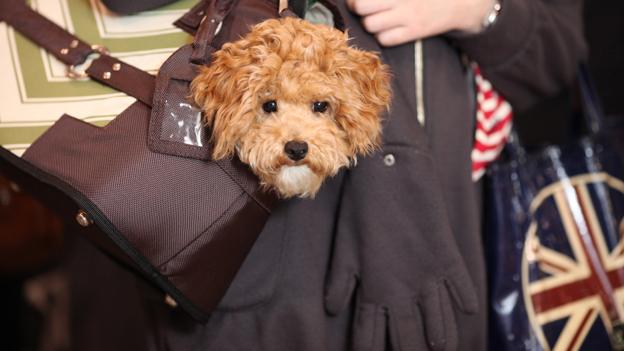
(532, 50)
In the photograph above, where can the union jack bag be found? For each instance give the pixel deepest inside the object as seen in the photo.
(555, 243)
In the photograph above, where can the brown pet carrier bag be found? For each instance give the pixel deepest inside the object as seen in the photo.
(143, 188)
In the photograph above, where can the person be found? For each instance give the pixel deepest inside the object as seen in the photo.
(389, 254)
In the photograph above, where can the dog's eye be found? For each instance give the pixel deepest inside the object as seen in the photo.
(320, 106)
(270, 106)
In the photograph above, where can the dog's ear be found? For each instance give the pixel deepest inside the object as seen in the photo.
(365, 94)
(222, 91)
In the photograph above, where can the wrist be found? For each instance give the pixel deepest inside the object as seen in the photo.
(484, 18)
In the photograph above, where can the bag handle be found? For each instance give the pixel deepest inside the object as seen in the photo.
(212, 14)
(298, 7)
(74, 52)
(591, 105)
(591, 108)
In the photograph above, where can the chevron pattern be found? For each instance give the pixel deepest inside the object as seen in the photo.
(494, 122)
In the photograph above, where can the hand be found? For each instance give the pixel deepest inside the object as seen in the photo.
(394, 250)
(396, 22)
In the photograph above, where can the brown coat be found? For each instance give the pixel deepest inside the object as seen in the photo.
(277, 299)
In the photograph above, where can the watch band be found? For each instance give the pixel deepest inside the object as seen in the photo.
(491, 17)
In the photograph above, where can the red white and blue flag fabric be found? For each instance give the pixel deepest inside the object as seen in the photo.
(556, 250)
(575, 272)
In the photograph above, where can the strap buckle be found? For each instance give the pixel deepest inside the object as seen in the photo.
(79, 71)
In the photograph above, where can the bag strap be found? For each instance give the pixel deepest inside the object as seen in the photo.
(299, 7)
(74, 52)
(590, 102)
(207, 17)
(213, 14)
(591, 113)
(191, 20)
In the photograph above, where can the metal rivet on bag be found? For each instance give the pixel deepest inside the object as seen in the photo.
(106, 75)
(389, 160)
(219, 26)
(73, 44)
(64, 51)
(14, 187)
(116, 67)
(83, 219)
(170, 301)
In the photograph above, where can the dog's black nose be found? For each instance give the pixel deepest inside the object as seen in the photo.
(296, 150)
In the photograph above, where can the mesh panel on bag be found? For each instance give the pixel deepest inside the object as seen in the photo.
(233, 234)
(160, 202)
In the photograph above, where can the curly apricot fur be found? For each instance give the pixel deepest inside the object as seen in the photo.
(294, 63)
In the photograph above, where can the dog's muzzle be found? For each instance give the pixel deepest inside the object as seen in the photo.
(296, 150)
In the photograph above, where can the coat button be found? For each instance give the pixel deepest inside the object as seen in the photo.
(83, 219)
(389, 160)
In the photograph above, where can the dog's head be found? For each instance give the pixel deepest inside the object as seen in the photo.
(294, 101)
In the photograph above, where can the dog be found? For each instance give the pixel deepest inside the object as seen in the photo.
(294, 101)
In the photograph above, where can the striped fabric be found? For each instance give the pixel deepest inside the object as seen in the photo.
(494, 121)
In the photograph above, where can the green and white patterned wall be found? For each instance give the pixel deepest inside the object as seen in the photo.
(34, 88)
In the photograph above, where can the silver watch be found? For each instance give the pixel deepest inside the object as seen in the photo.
(491, 17)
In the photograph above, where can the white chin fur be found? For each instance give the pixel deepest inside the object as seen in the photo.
(297, 181)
